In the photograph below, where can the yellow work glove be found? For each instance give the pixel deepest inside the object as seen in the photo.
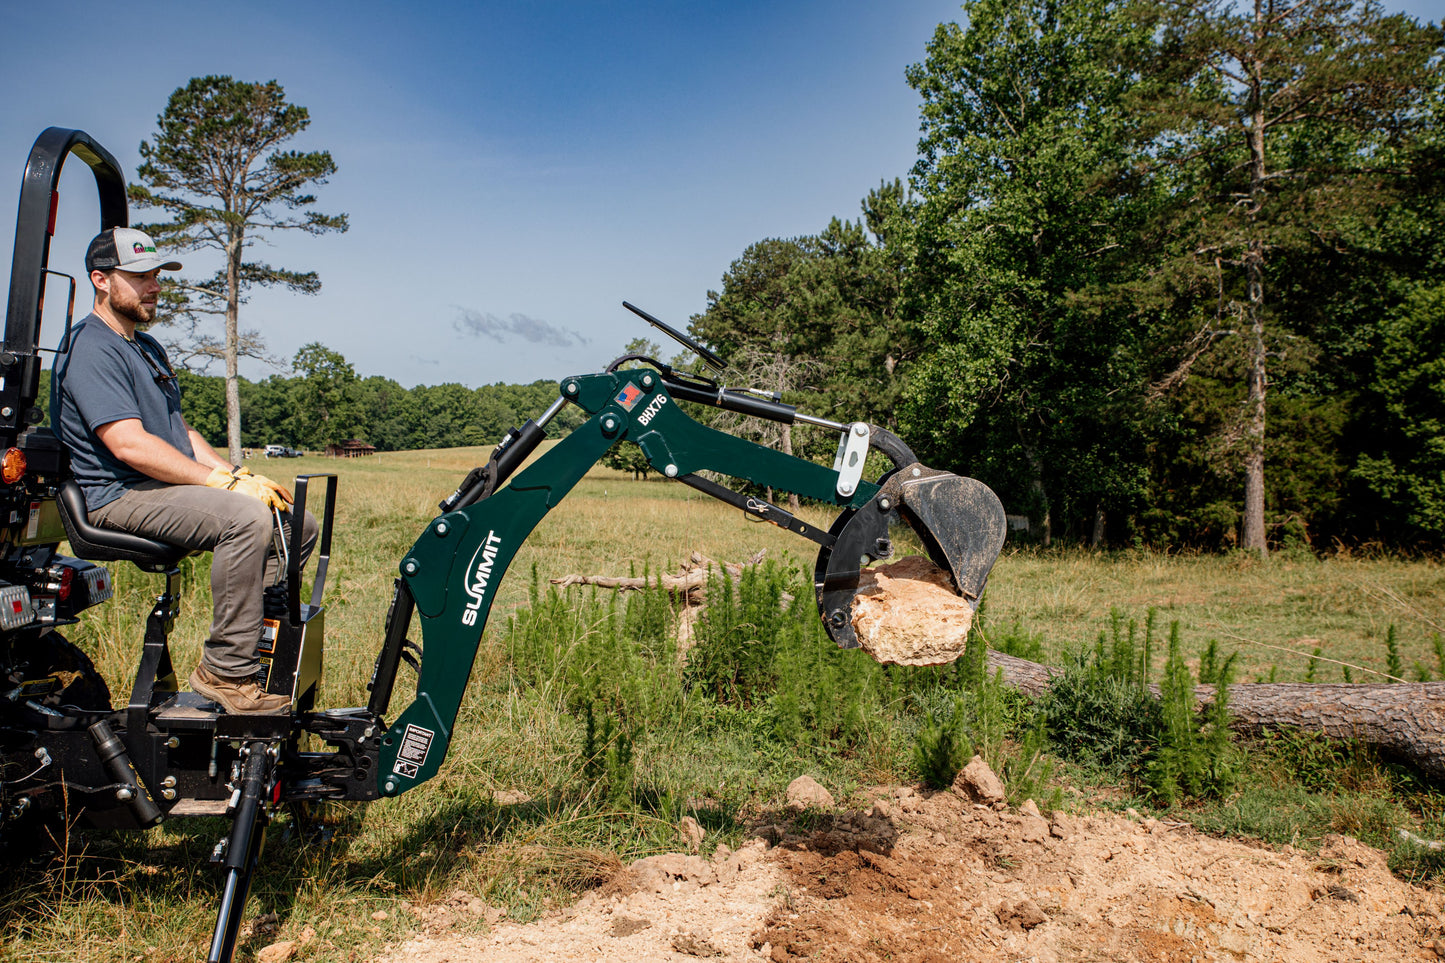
(229, 479)
(281, 490)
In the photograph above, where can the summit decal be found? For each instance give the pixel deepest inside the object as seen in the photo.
(478, 576)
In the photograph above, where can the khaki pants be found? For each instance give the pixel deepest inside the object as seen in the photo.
(239, 532)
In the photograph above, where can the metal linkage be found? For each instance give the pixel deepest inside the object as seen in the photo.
(758, 508)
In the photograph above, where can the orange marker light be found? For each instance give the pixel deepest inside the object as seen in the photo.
(12, 466)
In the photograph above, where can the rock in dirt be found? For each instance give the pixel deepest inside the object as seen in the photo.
(805, 793)
(277, 952)
(692, 831)
(976, 781)
(668, 868)
(695, 944)
(625, 926)
(1023, 914)
(908, 613)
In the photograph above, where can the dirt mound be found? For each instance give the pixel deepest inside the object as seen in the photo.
(925, 878)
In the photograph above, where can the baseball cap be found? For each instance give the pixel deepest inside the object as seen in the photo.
(125, 249)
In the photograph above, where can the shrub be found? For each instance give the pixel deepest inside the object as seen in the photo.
(941, 748)
(1195, 756)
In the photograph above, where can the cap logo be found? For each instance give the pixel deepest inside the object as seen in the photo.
(139, 248)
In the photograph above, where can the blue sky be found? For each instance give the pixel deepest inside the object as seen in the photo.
(512, 171)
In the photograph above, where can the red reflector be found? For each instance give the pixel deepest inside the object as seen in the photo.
(54, 206)
(67, 578)
(276, 792)
(12, 466)
(16, 606)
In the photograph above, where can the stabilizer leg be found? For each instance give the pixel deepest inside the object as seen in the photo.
(241, 850)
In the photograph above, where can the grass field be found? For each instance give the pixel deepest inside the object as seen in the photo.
(151, 896)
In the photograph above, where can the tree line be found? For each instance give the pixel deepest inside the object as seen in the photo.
(325, 402)
(1165, 273)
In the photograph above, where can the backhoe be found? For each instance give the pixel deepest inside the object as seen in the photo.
(70, 749)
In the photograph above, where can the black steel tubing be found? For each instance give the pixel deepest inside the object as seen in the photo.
(117, 762)
(733, 401)
(398, 623)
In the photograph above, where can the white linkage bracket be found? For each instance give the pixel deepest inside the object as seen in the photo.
(852, 453)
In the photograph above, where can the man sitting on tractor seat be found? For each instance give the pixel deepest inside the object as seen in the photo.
(116, 406)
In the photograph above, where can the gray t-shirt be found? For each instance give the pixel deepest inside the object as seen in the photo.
(105, 378)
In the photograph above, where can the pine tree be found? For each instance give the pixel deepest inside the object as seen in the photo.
(216, 167)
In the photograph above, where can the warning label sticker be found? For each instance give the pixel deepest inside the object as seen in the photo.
(415, 744)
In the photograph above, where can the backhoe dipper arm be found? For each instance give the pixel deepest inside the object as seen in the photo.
(453, 570)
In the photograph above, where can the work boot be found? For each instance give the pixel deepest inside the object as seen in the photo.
(237, 696)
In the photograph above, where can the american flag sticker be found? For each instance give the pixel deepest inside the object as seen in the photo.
(628, 396)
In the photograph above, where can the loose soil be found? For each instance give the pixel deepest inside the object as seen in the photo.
(912, 877)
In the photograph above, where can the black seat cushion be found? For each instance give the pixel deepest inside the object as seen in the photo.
(108, 545)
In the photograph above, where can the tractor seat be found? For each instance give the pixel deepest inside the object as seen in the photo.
(98, 544)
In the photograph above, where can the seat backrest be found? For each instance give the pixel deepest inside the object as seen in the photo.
(98, 544)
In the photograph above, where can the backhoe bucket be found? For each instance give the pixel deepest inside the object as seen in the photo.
(959, 520)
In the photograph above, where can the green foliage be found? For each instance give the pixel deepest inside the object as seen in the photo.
(324, 403)
(817, 319)
(1100, 712)
(1194, 756)
(1097, 718)
(607, 763)
(1393, 665)
(942, 747)
(1024, 385)
(324, 400)
(1405, 464)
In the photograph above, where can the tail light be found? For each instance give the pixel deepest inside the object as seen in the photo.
(67, 580)
(12, 466)
(16, 608)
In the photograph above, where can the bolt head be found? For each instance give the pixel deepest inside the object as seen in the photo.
(570, 388)
(670, 471)
(647, 381)
(860, 429)
(410, 567)
(845, 489)
(885, 504)
(443, 528)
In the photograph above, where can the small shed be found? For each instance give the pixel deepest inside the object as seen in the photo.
(350, 449)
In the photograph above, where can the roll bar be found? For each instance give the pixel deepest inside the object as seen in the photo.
(34, 226)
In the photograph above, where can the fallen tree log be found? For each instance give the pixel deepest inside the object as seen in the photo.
(1403, 720)
(690, 582)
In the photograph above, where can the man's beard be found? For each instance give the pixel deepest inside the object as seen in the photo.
(133, 311)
